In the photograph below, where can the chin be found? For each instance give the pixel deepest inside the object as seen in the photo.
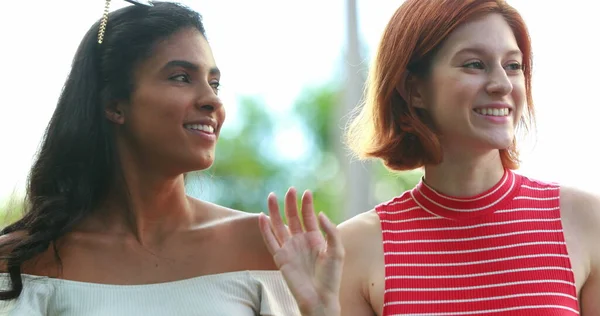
(488, 144)
(500, 144)
(196, 163)
(203, 164)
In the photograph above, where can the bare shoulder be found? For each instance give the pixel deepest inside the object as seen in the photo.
(240, 231)
(580, 211)
(233, 220)
(361, 231)
(40, 264)
(361, 236)
(363, 274)
(579, 197)
(582, 208)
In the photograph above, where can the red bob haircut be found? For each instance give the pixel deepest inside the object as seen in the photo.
(387, 126)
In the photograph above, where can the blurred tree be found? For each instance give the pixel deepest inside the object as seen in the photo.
(245, 169)
(248, 166)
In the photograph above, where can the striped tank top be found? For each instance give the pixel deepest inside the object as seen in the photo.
(501, 252)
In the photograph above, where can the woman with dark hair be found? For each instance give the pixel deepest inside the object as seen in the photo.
(109, 229)
(449, 89)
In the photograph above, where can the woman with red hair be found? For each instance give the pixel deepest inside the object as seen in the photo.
(449, 90)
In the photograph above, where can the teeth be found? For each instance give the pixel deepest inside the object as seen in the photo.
(493, 112)
(200, 127)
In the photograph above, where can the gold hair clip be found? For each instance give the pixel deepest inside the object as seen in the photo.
(104, 20)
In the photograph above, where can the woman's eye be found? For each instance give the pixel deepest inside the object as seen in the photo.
(181, 78)
(474, 65)
(514, 66)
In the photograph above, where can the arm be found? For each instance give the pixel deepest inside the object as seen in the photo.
(361, 237)
(590, 294)
(581, 215)
(589, 205)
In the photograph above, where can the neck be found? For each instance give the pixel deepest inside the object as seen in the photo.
(146, 205)
(463, 175)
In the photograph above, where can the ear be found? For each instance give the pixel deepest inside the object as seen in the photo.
(114, 113)
(409, 87)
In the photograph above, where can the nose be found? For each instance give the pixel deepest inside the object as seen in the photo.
(499, 83)
(208, 100)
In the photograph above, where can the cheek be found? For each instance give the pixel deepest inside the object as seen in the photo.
(454, 91)
(161, 105)
(519, 93)
(156, 117)
(222, 114)
(519, 96)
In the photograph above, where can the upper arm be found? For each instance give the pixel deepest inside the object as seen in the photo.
(590, 292)
(357, 236)
(585, 208)
(590, 295)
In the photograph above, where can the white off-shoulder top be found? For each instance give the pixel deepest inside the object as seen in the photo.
(241, 293)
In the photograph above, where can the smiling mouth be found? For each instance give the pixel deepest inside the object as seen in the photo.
(200, 128)
(493, 111)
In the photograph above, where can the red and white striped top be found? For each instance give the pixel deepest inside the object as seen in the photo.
(501, 252)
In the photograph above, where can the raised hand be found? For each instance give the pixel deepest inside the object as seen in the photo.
(310, 263)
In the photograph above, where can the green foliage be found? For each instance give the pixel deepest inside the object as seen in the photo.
(11, 210)
(247, 167)
(316, 110)
(390, 184)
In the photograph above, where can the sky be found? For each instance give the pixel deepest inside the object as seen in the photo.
(273, 49)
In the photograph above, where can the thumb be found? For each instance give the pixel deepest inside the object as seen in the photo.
(334, 240)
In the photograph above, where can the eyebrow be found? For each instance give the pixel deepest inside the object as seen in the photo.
(214, 71)
(481, 51)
